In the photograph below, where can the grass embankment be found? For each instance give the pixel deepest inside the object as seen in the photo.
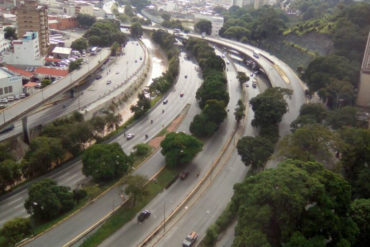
(126, 213)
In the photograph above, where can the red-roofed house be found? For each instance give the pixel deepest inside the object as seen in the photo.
(25, 74)
(31, 87)
(50, 72)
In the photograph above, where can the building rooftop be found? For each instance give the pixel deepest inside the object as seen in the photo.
(51, 71)
(4, 73)
(62, 50)
(19, 71)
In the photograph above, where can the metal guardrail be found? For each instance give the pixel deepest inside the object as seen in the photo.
(30, 103)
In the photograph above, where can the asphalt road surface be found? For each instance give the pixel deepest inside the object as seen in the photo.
(123, 67)
(12, 206)
(133, 232)
(95, 211)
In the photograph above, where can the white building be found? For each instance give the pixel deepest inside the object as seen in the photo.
(4, 44)
(25, 51)
(217, 22)
(10, 84)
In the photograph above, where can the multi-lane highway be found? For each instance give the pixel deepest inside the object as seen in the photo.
(12, 206)
(95, 211)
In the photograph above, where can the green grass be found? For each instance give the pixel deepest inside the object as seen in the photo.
(127, 213)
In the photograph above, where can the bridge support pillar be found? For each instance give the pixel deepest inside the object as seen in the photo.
(26, 134)
(72, 93)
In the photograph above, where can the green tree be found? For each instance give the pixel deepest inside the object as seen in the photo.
(166, 16)
(136, 30)
(255, 151)
(136, 188)
(239, 111)
(46, 199)
(142, 149)
(104, 162)
(309, 143)
(45, 82)
(104, 33)
(338, 93)
(129, 11)
(242, 77)
(214, 111)
(142, 106)
(202, 127)
(343, 117)
(115, 49)
(269, 106)
(85, 20)
(16, 229)
(98, 123)
(275, 206)
(311, 113)
(43, 152)
(80, 44)
(10, 33)
(355, 158)
(180, 148)
(360, 212)
(10, 173)
(203, 26)
(74, 65)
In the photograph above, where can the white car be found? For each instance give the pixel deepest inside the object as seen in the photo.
(129, 136)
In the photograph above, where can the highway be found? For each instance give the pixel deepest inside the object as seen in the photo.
(95, 211)
(133, 233)
(71, 175)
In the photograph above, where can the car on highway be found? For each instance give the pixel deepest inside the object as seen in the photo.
(190, 239)
(186, 76)
(129, 136)
(255, 55)
(165, 101)
(109, 82)
(254, 85)
(143, 215)
(184, 175)
(181, 95)
(98, 77)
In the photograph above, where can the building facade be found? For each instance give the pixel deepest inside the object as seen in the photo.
(32, 17)
(25, 51)
(62, 22)
(10, 84)
(4, 43)
(363, 96)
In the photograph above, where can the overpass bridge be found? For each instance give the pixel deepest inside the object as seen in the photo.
(22, 108)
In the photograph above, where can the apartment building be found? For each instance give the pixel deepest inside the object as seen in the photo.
(363, 96)
(33, 17)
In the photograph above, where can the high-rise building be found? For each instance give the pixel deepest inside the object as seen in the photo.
(363, 97)
(33, 17)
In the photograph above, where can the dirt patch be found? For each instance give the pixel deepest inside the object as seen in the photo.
(156, 142)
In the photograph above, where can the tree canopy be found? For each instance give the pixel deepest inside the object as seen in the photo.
(255, 151)
(80, 44)
(85, 20)
(105, 162)
(46, 200)
(104, 33)
(16, 229)
(136, 30)
(10, 33)
(180, 148)
(142, 105)
(203, 26)
(269, 106)
(293, 205)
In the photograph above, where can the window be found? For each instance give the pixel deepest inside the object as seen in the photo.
(1, 91)
(6, 90)
(10, 89)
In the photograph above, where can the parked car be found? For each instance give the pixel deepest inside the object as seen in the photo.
(129, 136)
(4, 100)
(190, 239)
(10, 98)
(143, 215)
(2, 106)
(22, 95)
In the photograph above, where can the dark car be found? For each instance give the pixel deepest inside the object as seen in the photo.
(98, 77)
(184, 175)
(143, 215)
(186, 76)
(190, 239)
(181, 95)
(254, 85)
